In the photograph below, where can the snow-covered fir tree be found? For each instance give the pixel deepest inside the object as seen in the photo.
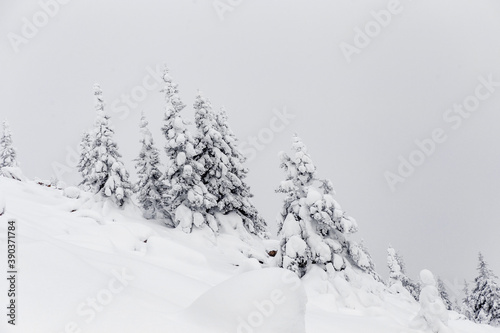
(312, 226)
(485, 296)
(150, 187)
(444, 294)
(244, 195)
(8, 153)
(107, 174)
(85, 161)
(397, 272)
(186, 195)
(395, 264)
(466, 308)
(222, 162)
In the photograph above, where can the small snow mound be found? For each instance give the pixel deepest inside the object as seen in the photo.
(198, 219)
(184, 218)
(72, 192)
(313, 196)
(261, 301)
(90, 214)
(249, 265)
(290, 227)
(13, 173)
(232, 224)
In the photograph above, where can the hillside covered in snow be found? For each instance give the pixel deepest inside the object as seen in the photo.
(85, 266)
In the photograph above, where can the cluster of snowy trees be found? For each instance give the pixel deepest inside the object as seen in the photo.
(204, 174)
(481, 304)
(205, 177)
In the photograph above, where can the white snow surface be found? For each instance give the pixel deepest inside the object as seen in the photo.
(85, 266)
(72, 192)
(13, 173)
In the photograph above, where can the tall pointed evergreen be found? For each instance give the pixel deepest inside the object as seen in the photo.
(223, 166)
(485, 296)
(150, 187)
(247, 209)
(107, 175)
(466, 308)
(444, 294)
(85, 161)
(185, 193)
(313, 227)
(211, 150)
(8, 153)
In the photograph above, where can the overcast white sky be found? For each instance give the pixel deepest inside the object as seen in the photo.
(356, 117)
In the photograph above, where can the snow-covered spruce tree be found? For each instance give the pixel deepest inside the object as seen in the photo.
(186, 196)
(312, 226)
(485, 296)
(107, 175)
(7, 151)
(222, 162)
(444, 294)
(85, 161)
(150, 187)
(466, 308)
(247, 209)
(397, 272)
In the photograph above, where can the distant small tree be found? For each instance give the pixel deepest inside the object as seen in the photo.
(396, 265)
(8, 153)
(313, 228)
(466, 308)
(85, 161)
(444, 294)
(150, 187)
(107, 175)
(485, 296)
(397, 272)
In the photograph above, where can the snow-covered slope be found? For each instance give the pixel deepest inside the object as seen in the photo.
(88, 267)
